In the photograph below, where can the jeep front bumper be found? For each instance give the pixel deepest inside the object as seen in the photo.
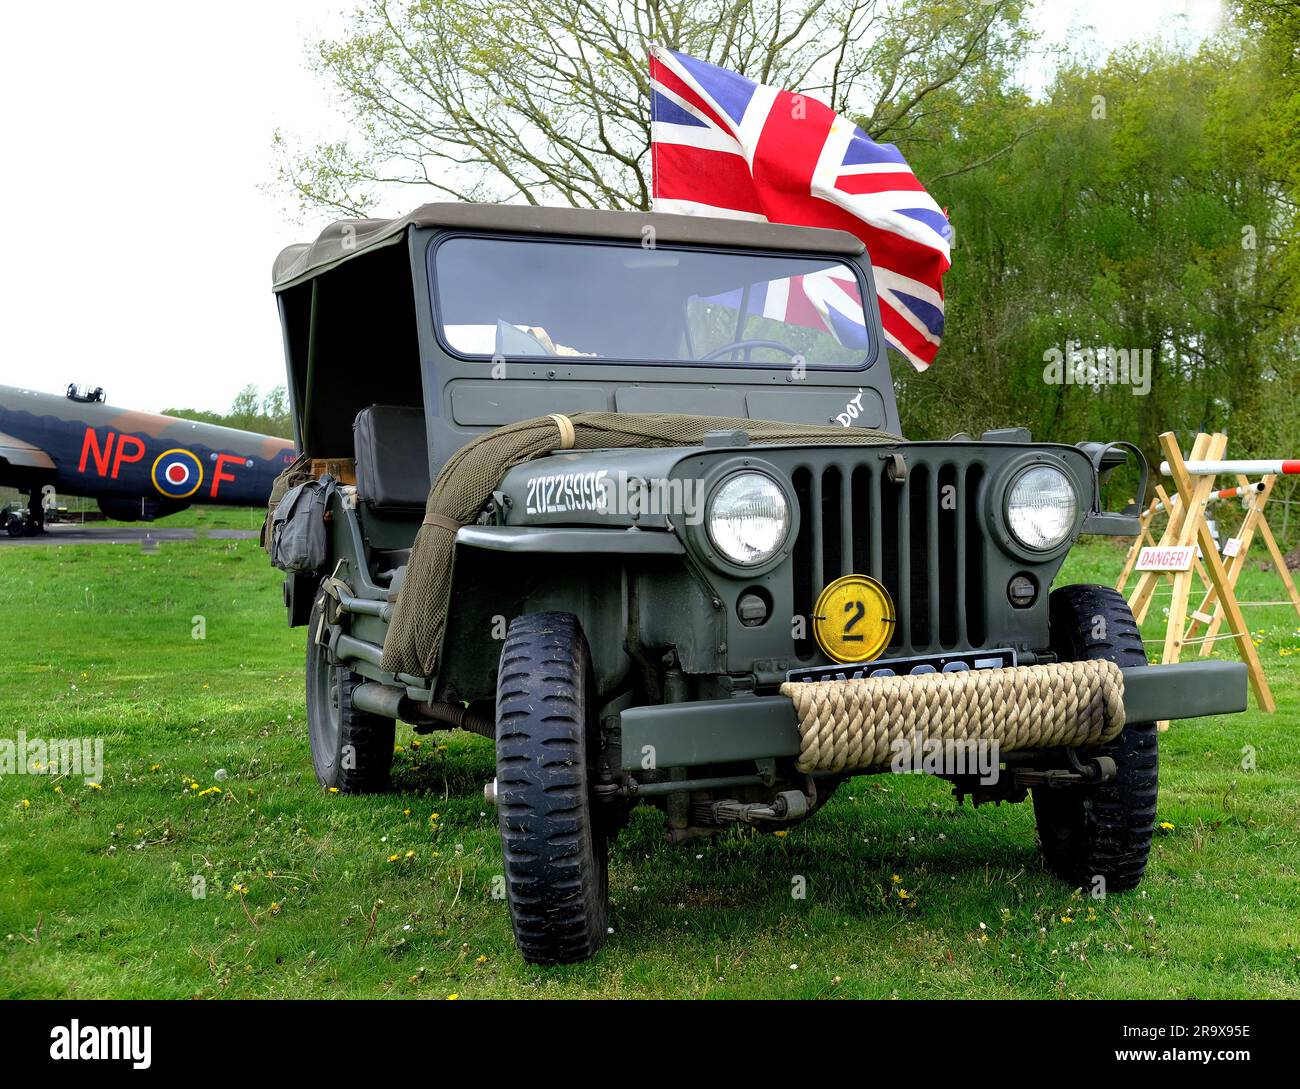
(763, 727)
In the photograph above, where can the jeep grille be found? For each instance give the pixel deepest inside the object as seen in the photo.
(921, 538)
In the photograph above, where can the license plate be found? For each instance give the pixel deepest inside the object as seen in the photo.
(957, 662)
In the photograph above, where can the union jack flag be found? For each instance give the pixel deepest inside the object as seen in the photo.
(828, 299)
(723, 145)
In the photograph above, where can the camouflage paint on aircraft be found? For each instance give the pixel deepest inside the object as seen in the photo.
(136, 464)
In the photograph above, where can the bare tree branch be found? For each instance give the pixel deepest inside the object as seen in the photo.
(548, 100)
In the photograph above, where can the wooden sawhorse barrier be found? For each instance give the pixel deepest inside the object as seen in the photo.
(1254, 525)
(1186, 530)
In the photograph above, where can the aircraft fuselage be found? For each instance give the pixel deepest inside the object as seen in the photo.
(131, 461)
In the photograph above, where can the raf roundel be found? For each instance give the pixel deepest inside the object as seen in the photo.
(177, 474)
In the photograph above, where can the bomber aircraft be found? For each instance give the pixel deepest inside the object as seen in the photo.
(138, 466)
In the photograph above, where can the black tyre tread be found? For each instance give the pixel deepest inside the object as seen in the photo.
(370, 736)
(554, 850)
(1105, 830)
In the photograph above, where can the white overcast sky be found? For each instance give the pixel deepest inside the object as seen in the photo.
(135, 152)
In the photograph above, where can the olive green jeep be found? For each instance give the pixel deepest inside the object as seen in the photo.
(626, 493)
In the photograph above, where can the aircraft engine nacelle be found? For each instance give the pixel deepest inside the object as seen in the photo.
(139, 510)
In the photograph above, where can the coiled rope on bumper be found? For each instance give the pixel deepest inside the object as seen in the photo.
(859, 723)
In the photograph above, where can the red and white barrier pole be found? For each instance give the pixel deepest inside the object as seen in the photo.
(1224, 493)
(1287, 467)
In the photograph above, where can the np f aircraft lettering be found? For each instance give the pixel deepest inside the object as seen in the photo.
(176, 473)
(138, 466)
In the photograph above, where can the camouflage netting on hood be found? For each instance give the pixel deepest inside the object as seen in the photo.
(468, 478)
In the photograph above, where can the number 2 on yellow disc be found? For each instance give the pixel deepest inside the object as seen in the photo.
(853, 619)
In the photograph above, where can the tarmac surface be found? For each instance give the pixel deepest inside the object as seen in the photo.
(72, 533)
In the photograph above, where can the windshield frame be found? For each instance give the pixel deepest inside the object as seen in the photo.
(866, 289)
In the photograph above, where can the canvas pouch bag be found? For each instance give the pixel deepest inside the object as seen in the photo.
(298, 538)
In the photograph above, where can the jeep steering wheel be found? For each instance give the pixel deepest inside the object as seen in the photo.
(749, 345)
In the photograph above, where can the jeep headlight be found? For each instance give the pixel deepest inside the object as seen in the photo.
(1041, 506)
(749, 518)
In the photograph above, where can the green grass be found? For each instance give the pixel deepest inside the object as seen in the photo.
(200, 518)
(96, 885)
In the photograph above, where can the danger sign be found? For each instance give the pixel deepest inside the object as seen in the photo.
(1167, 558)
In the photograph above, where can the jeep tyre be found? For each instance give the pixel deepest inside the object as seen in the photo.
(351, 750)
(1105, 830)
(555, 848)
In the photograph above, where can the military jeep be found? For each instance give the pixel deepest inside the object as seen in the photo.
(679, 617)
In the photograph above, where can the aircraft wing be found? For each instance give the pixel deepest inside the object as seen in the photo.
(20, 453)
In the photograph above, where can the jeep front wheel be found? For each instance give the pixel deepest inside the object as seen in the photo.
(351, 750)
(555, 849)
(1101, 832)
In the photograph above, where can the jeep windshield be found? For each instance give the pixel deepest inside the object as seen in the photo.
(511, 298)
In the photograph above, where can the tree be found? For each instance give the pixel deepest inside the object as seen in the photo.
(1276, 23)
(249, 411)
(547, 101)
(1140, 214)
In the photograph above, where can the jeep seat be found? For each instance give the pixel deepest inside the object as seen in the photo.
(392, 460)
